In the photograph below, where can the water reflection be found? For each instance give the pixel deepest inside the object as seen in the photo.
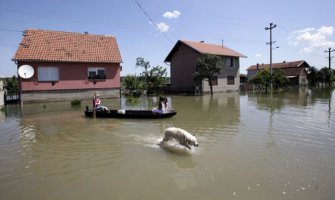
(252, 146)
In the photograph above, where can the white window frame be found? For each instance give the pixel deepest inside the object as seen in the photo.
(46, 74)
(96, 71)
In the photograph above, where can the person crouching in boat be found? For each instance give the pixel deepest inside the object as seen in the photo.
(161, 106)
(165, 104)
(97, 103)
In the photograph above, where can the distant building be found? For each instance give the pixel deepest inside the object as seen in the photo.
(68, 65)
(183, 58)
(295, 71)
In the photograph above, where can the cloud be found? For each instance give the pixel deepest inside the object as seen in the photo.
(303, 30)
(162, 27)
(170, 15)
(311, 39)
(258, 55)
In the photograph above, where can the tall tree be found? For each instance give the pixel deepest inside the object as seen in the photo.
(154, 77)
(207, 66)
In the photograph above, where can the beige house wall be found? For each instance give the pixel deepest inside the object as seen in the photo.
(51, 96)
(226, 71)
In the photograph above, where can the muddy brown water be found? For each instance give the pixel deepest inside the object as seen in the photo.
(252, 146)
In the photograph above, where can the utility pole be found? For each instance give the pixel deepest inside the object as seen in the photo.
(329, 60)
(272, 26)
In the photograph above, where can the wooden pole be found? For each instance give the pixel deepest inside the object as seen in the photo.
(94, 110)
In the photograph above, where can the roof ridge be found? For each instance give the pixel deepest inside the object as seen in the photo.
(69, 32)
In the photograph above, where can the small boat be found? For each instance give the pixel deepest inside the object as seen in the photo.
(138, 114)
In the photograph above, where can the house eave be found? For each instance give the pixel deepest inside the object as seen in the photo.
(64, 61)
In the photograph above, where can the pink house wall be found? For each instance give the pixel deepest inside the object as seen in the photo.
(72, 76)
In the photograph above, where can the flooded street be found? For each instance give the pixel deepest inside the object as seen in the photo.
(252, 146)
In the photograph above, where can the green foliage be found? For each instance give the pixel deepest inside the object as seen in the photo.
(320, 76)
(132, 85)
(11, 84)
(76, 102)
(324, 74)
(263, 79)
(279, 79)
(312, 76)
(206, 67)
(153, 78)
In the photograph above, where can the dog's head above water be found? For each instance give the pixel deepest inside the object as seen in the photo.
(193, 142)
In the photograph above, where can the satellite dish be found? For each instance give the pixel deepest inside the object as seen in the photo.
(26, 71)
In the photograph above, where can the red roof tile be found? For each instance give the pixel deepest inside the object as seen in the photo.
(293, 64)
(59, 46)
(206, 48)
(214, 49)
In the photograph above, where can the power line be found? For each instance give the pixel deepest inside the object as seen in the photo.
(152, 21)
(10, 30)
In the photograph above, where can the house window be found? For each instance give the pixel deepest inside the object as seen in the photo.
(96, 73)
(48, 74)
(230, 62)
(214, 80)
(230, 80)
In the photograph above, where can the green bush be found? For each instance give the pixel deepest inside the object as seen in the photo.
(76, 102)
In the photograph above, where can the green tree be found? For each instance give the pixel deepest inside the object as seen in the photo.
(11, 84)
(324, 74)
(206, 67)
(153, 77)
(279, 79)
(312, 76)
(263, 79)
(132, 85)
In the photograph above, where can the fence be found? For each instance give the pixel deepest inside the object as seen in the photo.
(12, 97)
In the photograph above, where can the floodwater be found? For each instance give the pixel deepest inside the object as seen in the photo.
(252, 146)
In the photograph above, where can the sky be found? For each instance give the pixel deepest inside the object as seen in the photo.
(150, 28)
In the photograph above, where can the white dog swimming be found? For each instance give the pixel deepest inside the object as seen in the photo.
(183, 137)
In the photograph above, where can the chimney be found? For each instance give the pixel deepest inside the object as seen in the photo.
(257, 66)
(86, 33)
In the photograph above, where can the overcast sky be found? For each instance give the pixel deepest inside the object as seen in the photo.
(150, 28)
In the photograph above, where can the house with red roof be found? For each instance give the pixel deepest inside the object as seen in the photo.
(183, 59)
(295, 71)
(68, 65)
